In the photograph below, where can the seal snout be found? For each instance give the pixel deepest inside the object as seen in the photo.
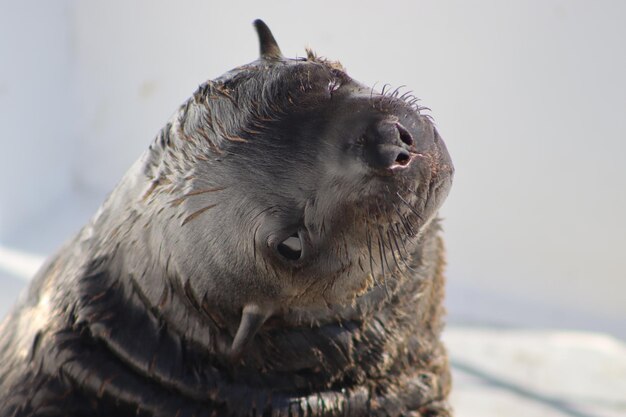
(390, 146)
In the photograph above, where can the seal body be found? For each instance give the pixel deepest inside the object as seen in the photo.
(274, 252)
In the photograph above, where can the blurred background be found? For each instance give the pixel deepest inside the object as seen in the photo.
(530, 97)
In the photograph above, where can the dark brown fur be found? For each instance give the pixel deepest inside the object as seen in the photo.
(275, 252)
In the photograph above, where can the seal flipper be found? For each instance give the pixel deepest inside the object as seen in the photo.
(268, 46)
(252, 318)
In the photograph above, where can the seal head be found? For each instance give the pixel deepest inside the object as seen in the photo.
(303, 165)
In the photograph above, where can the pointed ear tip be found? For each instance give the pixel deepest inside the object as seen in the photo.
(269, 47)
(261, 26)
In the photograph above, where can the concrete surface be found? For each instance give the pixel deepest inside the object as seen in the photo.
(521, 373)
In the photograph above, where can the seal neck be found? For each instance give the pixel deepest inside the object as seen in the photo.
(178, 345)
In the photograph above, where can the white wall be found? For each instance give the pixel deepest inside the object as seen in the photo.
(36, 110)
(530, 97)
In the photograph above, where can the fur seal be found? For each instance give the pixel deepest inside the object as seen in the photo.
(275, 252)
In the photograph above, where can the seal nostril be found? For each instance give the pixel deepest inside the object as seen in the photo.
(291, 248)
(403, 158)
(405, 136)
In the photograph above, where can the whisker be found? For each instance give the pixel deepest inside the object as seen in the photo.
(402, 240)
(392, 234)
(381, 239)
(368, 238)
(381, 250)
(393, 254)
(396, 92)
(410, 207)
(372, 90)
(408, 229)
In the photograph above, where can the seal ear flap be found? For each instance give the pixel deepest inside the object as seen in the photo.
(252, 318)
(268, 46)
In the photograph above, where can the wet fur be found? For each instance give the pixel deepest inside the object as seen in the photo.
(137, 314)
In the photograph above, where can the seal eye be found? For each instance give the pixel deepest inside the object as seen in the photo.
(291, 248)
